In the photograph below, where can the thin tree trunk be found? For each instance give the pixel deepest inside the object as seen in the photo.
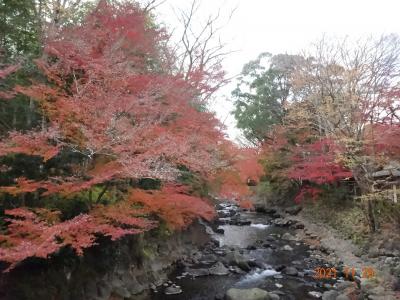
(102, 193)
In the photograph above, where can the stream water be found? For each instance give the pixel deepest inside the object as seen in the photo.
(248, 251)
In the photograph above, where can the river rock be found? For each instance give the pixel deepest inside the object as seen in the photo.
(173, 290)
(273, 296)
(287, 248)
(330, 295)
(226, 213)
(280, 268)
(220, 231)
(282, 222)
(218, 269)
(197, 272)
(287, 236)
(121, 292)
(240, 222)
(236, 270)
(276, 215)
(208, 259)
(235, 258)
(255, 263)
(298, 226)
(291, 271)
(345, 284)
(248, 294)
(315, 294)
(342, 297)
(293, 210)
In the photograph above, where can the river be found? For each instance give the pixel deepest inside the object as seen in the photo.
(248, 251)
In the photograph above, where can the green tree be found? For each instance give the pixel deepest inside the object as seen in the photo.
(262, 93)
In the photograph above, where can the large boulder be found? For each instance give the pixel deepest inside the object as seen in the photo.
(247, 294)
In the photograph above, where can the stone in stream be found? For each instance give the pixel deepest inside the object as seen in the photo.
(236, 270)
(343, 297)
(291, 271)
(248, 294)
(344, 285)
(274, 296)
(254, 263)
(287, 236)
(276, 215)
(235, 258)
(220, 231)
(298, 226)
(208, 259)
(315, 294)
(226, 213)
(282, 222)
(197, 272)
(173, 290)
(280, 268)
(239, 222)
(330, 295)
(287, 248)
(218, 269)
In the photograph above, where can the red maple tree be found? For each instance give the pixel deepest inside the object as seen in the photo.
(114, 101)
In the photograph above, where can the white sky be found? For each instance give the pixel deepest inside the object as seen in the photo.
(285, 26)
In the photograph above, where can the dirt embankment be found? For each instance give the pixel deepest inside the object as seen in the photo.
(379, 254)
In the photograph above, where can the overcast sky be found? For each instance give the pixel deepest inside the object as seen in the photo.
(285, 26)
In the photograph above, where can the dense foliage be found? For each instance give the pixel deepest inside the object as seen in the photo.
(121, 139)
(335, 125)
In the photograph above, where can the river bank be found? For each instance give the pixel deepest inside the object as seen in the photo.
(268, 254)
(257, 255)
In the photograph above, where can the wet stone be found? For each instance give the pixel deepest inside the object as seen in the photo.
(220, 231)
(287, 236)
(330, 295)
(218, 269)
(198, 272)
(291, 271)
(173, 290)
(314, 294)
(248, 294)
(287, 248)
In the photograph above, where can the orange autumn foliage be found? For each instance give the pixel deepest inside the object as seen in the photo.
(173, 205)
